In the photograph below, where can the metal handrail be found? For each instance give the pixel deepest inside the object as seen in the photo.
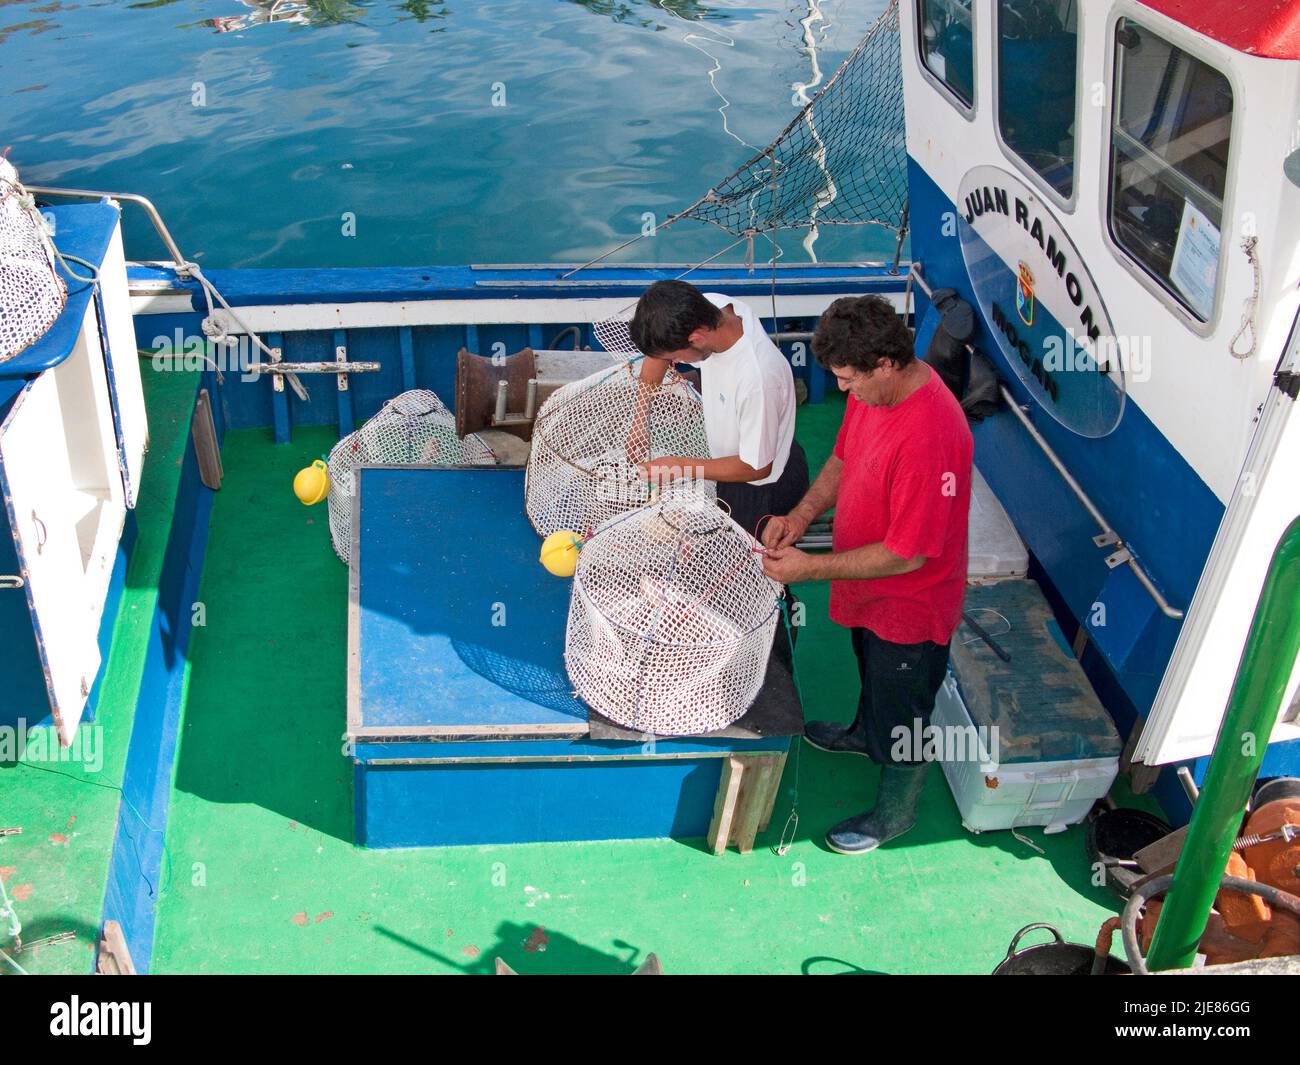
(131, 197)
(1108, 536)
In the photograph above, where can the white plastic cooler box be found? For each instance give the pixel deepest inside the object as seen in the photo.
(1049, 750)
(994, 548)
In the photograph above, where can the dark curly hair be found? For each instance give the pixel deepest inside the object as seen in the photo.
(861, 331)
(667, 313)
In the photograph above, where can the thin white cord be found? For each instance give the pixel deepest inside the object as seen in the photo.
(1251, 306)
(990, 610)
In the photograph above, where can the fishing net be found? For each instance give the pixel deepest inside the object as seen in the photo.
(413, 429)
(590, 435)
(32, 293)
(671, 620)
(841, 161)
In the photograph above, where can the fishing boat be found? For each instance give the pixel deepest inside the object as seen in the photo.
(230, 752)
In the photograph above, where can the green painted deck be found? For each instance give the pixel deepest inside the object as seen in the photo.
(261, 875)
(56, 870)
(265, 877)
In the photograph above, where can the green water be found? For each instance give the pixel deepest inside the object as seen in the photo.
(423, 132)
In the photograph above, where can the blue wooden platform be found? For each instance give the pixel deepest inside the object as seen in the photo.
(462, 718)
(458, 620)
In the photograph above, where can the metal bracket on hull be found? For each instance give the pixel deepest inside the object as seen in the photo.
(341, 354)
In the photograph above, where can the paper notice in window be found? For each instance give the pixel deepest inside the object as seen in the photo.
(1196, 259)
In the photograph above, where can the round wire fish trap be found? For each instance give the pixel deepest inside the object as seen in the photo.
(589, 437)
(671, 620)
(32, 293)
(412, 429)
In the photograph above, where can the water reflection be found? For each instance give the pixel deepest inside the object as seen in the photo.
(621, 11)
(333, 12)
(265, 12)
(424, 10)
(33, 27)
(387, 117)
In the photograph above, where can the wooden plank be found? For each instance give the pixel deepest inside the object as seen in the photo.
(724, 807)
(773, 790)
(744, 826)
(206, 448)
(1163, 853)
(753, 801)
(114, 959)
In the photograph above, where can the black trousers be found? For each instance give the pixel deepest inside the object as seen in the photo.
(749, 503)
(899, 683)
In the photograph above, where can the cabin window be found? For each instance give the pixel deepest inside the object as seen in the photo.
(947, 45)
(1038, 42)
(1169, 163)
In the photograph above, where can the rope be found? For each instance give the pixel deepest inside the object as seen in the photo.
(1251, 306)
(215, 332)
(792, 822)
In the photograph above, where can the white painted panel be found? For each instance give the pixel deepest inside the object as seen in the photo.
(1194, 693)
(89, 451)
(39, 492)
(133, 425)
(295, 317)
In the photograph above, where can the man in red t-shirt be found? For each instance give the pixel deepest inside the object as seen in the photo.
(899, 481)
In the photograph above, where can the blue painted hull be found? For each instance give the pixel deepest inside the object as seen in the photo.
(1168, 515)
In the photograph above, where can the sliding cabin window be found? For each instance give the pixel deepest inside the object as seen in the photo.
(1169, 164)
(948, 45)
(1038, 47)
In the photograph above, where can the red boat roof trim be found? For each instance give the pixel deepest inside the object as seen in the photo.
(1269, 28)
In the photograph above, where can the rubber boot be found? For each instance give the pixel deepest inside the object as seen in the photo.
(893, 814)
(837, 737)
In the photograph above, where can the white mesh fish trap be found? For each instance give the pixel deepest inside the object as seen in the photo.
(589, 437)
(671, 620)
(32, 293)
(413, 429)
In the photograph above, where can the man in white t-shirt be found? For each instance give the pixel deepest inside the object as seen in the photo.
(748, 393)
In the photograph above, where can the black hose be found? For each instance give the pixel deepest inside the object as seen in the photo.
(577, 337)
(1128, 928)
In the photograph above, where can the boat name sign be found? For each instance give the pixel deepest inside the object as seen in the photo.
(1040, 301)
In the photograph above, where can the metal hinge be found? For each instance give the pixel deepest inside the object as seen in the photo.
(1289, 382)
